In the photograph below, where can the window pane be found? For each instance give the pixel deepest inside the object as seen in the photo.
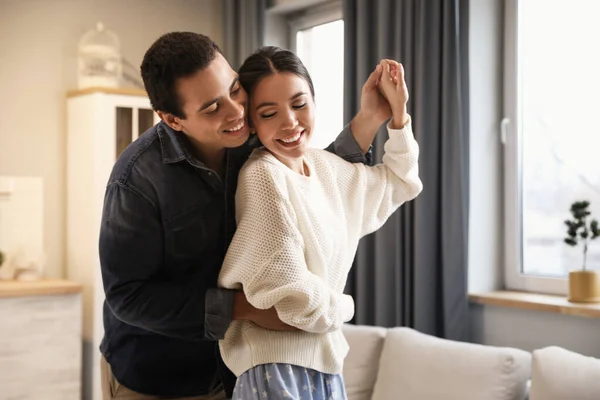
(124, 128)
(145, 120)
(559, 60)
(321, 49)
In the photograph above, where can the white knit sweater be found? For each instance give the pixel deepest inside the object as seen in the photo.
(295, 242)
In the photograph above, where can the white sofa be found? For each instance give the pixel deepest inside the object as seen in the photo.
(559, 374)
(403, 364)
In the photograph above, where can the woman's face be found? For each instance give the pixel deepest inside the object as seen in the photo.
(282, 112)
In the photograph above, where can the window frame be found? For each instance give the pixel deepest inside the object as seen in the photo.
(311, 17)
(511, 133)
(308, 18)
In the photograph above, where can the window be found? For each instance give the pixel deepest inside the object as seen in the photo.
(551, 135)
(317, 36)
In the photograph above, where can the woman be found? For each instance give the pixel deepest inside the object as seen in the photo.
(301, 213)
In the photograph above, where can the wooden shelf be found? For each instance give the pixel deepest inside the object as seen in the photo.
(536, 302)
(107, 90)
(38, 288)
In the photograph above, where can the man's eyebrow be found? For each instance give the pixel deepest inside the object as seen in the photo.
(213, 101)
(294, 97)
(236, 80)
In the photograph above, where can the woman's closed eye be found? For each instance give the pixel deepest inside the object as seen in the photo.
(268, 115)
(272, 114)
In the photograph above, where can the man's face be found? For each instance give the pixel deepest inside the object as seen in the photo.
(213, 102)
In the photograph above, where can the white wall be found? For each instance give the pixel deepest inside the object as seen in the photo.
(500, 326)
(38, 50)
(530, 330)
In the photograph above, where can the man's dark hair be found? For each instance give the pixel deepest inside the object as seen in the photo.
(268, 61)
(174, 55)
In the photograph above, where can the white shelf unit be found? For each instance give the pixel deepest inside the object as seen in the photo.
(101, 122)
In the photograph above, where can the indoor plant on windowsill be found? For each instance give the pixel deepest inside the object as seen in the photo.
(2, 271)
(583, 284)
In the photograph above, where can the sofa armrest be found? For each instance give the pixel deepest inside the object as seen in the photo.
(559, 374)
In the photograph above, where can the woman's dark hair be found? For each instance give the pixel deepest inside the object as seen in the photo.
(268, 61)
(174, 55)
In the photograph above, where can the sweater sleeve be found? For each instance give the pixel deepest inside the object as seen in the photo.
(388, 185)
(266, 258)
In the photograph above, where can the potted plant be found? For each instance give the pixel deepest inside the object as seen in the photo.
(3, 274)
(583, 284)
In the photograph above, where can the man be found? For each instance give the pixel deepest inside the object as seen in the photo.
(168, 219)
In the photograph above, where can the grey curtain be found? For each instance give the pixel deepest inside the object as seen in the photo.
(413, 271)
(243, 29)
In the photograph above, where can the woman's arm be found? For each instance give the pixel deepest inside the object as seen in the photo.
(385, 187)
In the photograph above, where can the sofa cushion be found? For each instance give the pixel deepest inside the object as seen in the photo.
(415, 366)
(362, 361)
(559, 374)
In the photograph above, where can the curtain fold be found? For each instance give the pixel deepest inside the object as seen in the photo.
(243, 29)
(413, 271)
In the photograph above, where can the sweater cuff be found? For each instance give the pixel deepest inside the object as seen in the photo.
(218, 312)
(404, 137)
(407, 126)
(347, 308)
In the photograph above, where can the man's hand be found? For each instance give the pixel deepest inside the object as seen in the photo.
(374, 110)
(373, 104)
(393, 87)
(268, 319)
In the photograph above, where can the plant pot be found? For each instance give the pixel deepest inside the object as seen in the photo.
(584, 287)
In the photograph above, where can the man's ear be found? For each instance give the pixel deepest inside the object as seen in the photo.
(171, 120)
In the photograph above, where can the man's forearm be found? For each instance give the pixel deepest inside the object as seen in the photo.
(364, 129)
(224, 306)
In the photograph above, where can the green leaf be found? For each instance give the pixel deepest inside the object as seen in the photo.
(571, 242)
(581, 204)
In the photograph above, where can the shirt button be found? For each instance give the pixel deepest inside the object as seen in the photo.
(210, 174)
